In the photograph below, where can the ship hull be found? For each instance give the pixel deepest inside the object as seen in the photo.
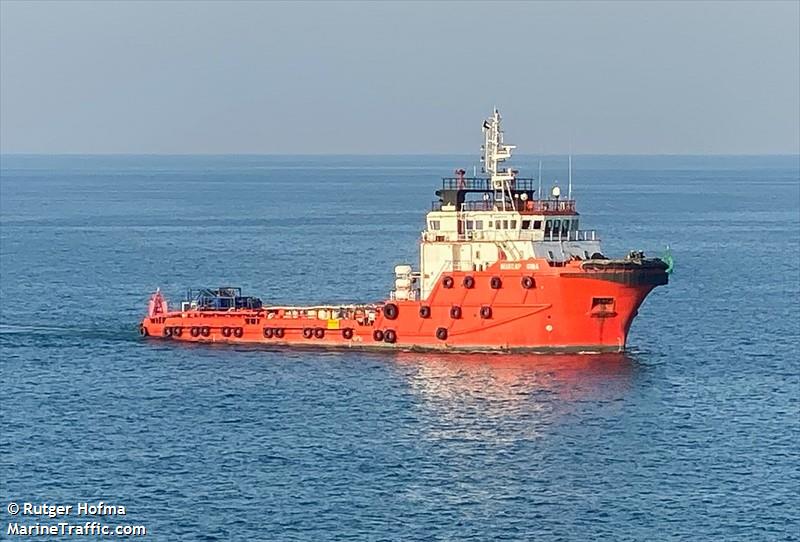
(525, 306)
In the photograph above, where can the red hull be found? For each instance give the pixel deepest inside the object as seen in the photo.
(511, 306)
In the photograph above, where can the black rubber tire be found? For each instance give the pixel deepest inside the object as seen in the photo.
(205, 331)
(496, 283)
(528, 282)
(268, 332)
(177, 331)
(441, 334)
(486, 312)
(238, 332)
(143, 331)
(469, 282)
(448, 282)
(347, 333)
(226, 332)
(390, 311)
(167, 332)
(425, 311)
(195, 332)
(377, 335)
(308, 332)
(279, 333)
(455, 312)
(389, 336)
(319, 333)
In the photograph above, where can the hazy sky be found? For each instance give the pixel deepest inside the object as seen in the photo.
(410, 77)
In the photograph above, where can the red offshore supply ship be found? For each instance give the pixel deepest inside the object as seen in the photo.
(501, 268)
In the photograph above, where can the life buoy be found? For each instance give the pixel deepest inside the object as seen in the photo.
(347, 333)
(205, 331)
(441, 334)
(469, 282)
(308, 332)
(226, 332)
(425, 311)
(455, 312)
(486, 312)
(496, 283)
(390, 311)
(447, 282)
(195, 331)
(528, 282)
(279, 333)
(268, 332)
(238, 332)
(377, 335)
(319, 333)
(389, 336)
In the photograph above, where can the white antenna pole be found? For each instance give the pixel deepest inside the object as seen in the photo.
(540, 179)
(569, 190)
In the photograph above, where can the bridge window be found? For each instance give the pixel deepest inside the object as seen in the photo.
(435, 224)
(537, 224)
(513, 224)
(548, 227)
(479, 224)
(497, 224)
(505, 224)
(526, 224)
(470, 225)
(556, 227)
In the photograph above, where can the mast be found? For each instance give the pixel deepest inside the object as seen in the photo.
(569, 190)
(539, 191)
(496, 152)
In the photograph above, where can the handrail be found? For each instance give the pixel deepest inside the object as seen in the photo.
(529, 206)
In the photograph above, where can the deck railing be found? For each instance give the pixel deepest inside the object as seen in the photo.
(535, 206)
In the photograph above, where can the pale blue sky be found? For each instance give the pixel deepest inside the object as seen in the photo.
(410, 77)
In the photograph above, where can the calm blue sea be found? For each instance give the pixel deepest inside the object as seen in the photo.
(693, 435)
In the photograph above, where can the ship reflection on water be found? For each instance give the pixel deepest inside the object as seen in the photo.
(511, 397)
